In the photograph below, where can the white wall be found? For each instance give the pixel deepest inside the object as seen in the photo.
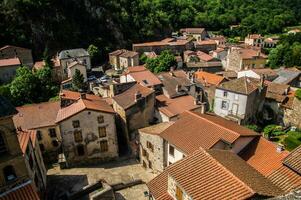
(247, 73)
(126, 78)
(178, 155)
(230, 99)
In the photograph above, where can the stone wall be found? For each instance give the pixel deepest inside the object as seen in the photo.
(292, 115)
(233, 61)
(172, 184)
(154, 155)
(23, 54)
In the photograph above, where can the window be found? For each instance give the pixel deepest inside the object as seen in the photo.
(224, 105)
(150, 146)
(52, 132)
(55, 143)
(75, 124)
(30, 160)
(2, 144)
(80, 150)
(144, 152)
(171, 150)
(78, 136)
(42, 147)
(225, 94)
(9, 173)
(103, 146)
(179, 193)
(150, 165)
(100, 119)
(102, 132)
(39, 135)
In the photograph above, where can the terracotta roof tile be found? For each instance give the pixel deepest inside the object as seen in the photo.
(209, 79)
(24, 137)
(204, 56)
(67, 94)
(127, 98)
(117, 52)
(9, 62)
(135, 69)
(156, 129)
(214, 175)
(25, 191)
(286, 179)
(36, 115)
(192, 30)
(145, 78)
(193, 131)
(293, 160)
(243, 85)
(83, 104)
(129, 54)
(175, 106)
(263, 156)
(248, 53)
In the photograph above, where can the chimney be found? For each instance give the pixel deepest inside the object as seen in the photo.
(138, 95)
(262, 79)
(203, 107)
(83, 95)
(279, 148)
(178, 88)
(171, 71)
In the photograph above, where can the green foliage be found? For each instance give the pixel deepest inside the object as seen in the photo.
(194, 59)
(161, 63)
(78, 81)
(298, 94)
(273, 130)
(113, 23)
(293, 140)
(143, 59)
(94, 53)
(287, 53)
(253, 127)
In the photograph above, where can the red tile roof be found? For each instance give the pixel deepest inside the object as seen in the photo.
(36, 115)
(175, 106)
(67, 94)
(193, 131)
(242, 85)
(208, 79)
(286, 179)
(156, 129)
(145, 78)
(251, 53)
(9, 62)
(83, 104)
(204, 56)
(192, 30)
(25, 191)
(24, 137)
(214, 174)
(206, 42)
(293, 160)
(135, 69)
(263, 156)
(127, 98)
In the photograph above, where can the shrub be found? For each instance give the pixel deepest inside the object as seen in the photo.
(253, 127)
(298, 94)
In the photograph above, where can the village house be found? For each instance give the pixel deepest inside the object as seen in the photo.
(8, 67)
(73, 66)
(21, 160)
(23, 54)
(177, 83)
(202, 61)
(209, 83)
(267, 73)
(211, 174)
(205, 45)
(150, 54)
(41, 118)
(122, 59)
(142, 76)
(229, 75)
(239, 59)
(221, 54)
(168, 109)
(88, 130)
(289, 76)
(175, 45)
(270, 42)
(66, 57)
(240, 99)
(57, 72)
(190, 132)
(291, 112)
(254, 40)
(197, 33)
(219, 39)
(135, 107)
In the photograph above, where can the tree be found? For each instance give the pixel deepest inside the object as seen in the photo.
(161, 63)
(298, 94)
(94, 54)
(78, 81)
(272, 130)
(23, 88)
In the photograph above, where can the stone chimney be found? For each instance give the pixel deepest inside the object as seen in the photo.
(279, 148)
(83, 95)
(138, 95)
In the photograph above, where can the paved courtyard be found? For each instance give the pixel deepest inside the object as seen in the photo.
(71, 180)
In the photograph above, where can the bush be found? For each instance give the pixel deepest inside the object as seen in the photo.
(273, 130)
(253, 127)
(298, 94)
(293, 140)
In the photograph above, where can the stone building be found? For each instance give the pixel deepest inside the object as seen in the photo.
(254, 40)
(240, 99)
(197, 33)
(122, 58)
(8, 68)
(292, 113)
(41, 118)
(57, 72)
(268, 74)
(66, 57)
(244, 59)
(152, 148)
(88, 130)
(135, 107)
(20, 156)
(72, 67)
(205, 45)
(24, 55)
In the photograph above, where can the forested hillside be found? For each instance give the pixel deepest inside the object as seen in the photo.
(61, 24)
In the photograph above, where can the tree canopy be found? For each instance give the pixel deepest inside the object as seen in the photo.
(161, 63)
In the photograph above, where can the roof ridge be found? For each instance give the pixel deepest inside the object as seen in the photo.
(229, 172)
(213, 122)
